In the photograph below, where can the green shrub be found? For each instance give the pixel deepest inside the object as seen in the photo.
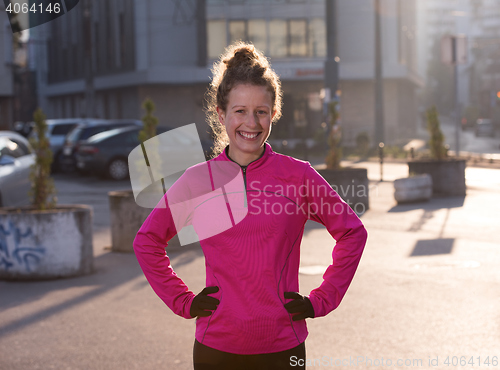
(436, 143)
(363, 144)
(334, 155)
(42, 185)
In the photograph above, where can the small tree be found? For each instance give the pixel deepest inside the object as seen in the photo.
(363, 144)
(334, 155)
(149, 121)
(149, 131)
(42, 185)
(436, 143)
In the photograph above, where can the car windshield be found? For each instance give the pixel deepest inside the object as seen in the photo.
(62, 130)
(90, 131)
(74, 135)
(107, 134)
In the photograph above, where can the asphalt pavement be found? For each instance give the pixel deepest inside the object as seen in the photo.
(426, 294)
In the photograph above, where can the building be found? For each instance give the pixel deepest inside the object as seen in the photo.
(6, 75)
(400, 73)
(165, 50)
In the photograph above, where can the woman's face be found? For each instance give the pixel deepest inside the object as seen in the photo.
(247, 120)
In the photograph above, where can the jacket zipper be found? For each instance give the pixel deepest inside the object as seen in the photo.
(244, 169)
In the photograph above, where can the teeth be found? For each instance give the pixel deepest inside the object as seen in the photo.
(248, 136)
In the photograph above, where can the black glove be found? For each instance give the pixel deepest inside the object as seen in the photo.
(204, 302)
(300, 305)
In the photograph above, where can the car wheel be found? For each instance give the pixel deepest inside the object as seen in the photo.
(118, 169)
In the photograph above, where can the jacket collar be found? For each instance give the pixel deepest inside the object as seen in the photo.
(265, 156)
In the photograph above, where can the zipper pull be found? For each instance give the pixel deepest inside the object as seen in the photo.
(244, 170)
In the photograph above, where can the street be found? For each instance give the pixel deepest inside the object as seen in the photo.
(426, 292)
(468, 141)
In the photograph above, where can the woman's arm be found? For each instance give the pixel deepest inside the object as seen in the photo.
(326, 207)
(149, 247)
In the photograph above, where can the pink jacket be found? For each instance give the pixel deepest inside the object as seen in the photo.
(251, 247)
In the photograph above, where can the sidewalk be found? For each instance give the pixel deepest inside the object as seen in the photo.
(428, 285)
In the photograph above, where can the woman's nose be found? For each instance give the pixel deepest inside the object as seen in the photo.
(253, 121)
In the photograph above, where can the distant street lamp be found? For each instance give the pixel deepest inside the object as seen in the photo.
(379, 87)
(88, 69)
(454, 52)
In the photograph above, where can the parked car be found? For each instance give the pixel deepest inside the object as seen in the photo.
(484, 127)
(57, 130)
(16, 158)
(84, 131)
(107, 153)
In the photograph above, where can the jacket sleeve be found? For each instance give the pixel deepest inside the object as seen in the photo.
(325, 206)
(149, 247)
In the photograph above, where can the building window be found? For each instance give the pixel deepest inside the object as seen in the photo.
(216, 33)
(279, 38)
(257, 33)
(317, 37)
(297, 44)
(237, 31)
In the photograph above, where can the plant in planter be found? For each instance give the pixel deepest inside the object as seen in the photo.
(126, 215)
(363, 144)
(448, 174)
(436, 142)
(334, 155)
(45, 240)
(350, 183)
(42, 185)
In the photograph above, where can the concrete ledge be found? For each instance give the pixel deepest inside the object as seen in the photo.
(126, 219)
(352, 186)
(413, 189)
(448, 176)
(37, 245)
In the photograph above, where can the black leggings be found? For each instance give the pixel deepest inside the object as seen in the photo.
(206, 358)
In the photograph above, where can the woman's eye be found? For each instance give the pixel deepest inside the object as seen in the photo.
(240, 111)
(262, 112)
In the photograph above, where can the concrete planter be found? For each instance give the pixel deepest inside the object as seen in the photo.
(37, 245)
(126, 220)
(352, 186)
(448, 176)
(413, 189)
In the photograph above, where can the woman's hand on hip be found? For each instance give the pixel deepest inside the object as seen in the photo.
(301, 305)
(203, 302)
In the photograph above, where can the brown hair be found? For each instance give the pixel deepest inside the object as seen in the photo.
(241, 63)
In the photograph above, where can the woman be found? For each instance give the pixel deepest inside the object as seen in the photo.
(251, 314)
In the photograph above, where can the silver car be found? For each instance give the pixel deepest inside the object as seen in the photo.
(16, 158)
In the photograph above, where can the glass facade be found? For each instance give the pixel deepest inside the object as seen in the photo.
(278, 38)
(217, 39)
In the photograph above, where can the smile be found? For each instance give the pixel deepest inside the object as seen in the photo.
(249, 135)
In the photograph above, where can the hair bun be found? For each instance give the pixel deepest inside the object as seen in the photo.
(242, 56)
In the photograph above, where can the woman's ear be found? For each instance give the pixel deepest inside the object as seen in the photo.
(274, 113)
(221, 115)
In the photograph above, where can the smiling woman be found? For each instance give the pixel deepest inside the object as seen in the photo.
(250, 315)
(246, 90)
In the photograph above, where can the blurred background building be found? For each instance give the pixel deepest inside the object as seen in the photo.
(105, 57)
(6, 75)
(479, 78)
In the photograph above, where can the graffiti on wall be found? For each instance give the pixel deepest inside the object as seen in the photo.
(18, 248)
